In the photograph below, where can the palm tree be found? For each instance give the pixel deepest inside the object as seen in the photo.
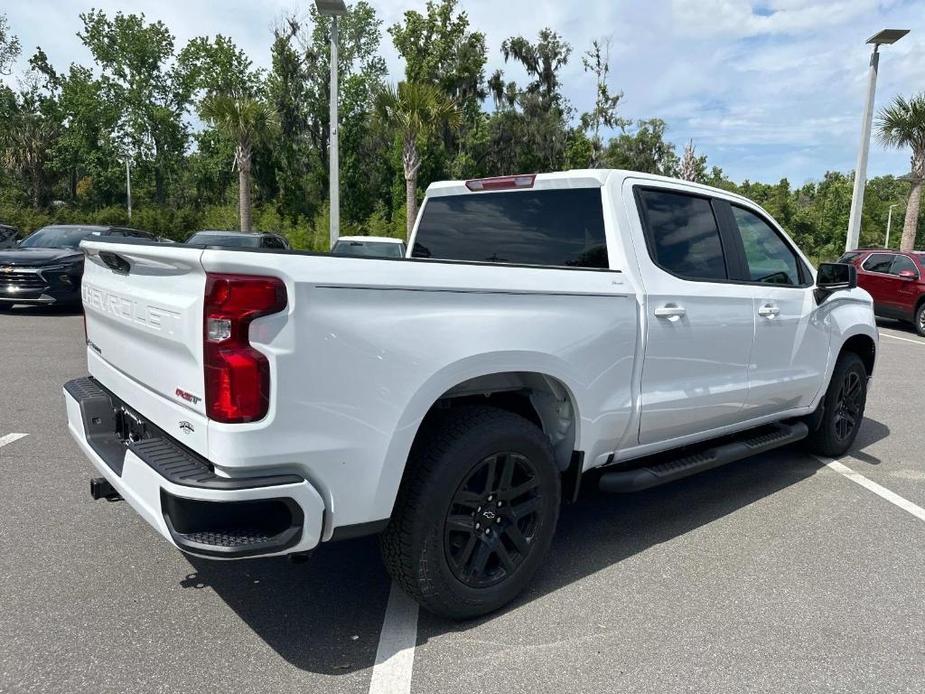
(902, 124)
(243, 119)
(25, 148)
(415, 111)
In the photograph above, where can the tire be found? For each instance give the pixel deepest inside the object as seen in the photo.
(449, 520)
(842, 408)
(919, 323)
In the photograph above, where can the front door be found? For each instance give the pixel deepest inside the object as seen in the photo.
(791, 352)
(699, 326)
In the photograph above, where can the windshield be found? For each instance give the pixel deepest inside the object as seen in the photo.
(371, 249)
(226, 240)
(58, 237)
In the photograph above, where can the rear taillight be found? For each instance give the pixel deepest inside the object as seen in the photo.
(237, 376)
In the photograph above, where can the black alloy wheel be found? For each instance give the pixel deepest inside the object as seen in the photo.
(492, 520)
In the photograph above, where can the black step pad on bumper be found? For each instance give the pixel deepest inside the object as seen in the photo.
(100, 411)
(663, 470)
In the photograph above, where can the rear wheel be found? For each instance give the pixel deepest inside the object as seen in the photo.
(843, 408)
(919, 323)
(476, 513)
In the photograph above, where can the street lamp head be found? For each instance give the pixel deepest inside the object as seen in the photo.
(331, 8)
(881, 38)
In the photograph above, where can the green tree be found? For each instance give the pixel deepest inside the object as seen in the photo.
(136, 60)
(414, 112)
(243, 119)
(900, 125)
(9, 47)
(438, 48)
(645, 150)
(25, 142)
(604, 114)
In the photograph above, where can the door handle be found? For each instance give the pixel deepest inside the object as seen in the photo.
(672, 312)
(769, 311)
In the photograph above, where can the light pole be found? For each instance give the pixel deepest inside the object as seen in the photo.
(128, 186)
(883, 38)
(889, 223)
(333, 9)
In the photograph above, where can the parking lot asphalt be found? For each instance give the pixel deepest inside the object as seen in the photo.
(775, 574)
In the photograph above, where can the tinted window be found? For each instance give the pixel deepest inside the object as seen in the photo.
(230, 240)
(903, 263)
(136, 233)
(683, 235)
(879, 262)
(770, 260)
(536, 227)
(273, 242)
(848, 258)
(369, 249)
(59, 237)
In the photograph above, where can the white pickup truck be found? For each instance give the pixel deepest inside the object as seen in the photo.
(257, 403)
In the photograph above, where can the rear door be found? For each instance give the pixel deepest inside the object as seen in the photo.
(789, 359)
(874, 277)
(700, 327)
(904, 290)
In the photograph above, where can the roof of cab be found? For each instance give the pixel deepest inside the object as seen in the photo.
(576, 178)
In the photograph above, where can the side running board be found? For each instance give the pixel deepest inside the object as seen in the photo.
(663, 470)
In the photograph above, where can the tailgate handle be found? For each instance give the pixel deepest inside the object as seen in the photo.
(115, 262)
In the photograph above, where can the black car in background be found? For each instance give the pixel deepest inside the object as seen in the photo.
(46, 268)
(9, 236)
(237, 239)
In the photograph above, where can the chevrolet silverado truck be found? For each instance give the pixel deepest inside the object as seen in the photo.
(255, 403)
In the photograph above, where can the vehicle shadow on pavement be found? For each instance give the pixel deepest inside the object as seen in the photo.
(325, 615)
(322, 616)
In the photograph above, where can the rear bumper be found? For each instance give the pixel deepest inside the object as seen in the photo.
(179, 493)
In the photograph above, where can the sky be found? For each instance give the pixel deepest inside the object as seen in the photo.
(766, 89)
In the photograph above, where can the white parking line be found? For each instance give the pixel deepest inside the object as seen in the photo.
(10, 438)
(399, 636)
(892, 497)
(904, 339)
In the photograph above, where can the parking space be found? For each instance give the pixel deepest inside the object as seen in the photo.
(775, 574)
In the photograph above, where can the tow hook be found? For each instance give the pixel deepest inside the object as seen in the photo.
(101, 489)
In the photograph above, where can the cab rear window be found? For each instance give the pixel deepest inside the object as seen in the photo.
(557, 228)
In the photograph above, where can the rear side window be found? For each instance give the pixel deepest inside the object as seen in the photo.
(683, 235)
(879, 262)
(559, 228)
(770, 260)
(903, 263)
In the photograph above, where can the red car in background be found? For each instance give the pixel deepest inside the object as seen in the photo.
(895, 280)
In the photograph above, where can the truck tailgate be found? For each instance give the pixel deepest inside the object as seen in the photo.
(143, 306)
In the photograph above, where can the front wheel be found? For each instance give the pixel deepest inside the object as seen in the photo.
(842, 408)
(476, 513)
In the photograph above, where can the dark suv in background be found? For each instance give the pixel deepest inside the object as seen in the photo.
(895, 280)
(46, 268)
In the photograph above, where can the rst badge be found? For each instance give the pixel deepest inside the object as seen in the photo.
(186, 428)
(188, 397)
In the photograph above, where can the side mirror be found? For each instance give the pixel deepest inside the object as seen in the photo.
(834, 277)
(908, 274)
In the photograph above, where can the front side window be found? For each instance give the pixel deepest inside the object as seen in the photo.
(902, 263)
(683, 235)
(559, 228)
(879, 262)
(770, 260)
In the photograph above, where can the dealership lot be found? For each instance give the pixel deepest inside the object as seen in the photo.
(774, 574)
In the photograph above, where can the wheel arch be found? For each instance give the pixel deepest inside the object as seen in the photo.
(537, 386)
(865, 347)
